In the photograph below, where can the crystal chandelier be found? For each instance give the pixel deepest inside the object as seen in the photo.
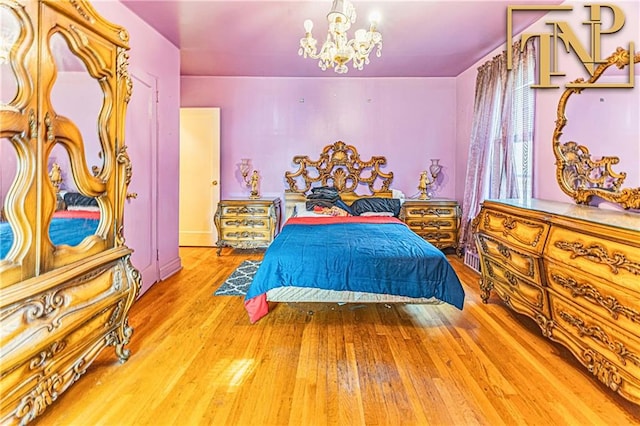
(338, 50)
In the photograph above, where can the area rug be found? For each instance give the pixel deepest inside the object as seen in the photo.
(238, 282)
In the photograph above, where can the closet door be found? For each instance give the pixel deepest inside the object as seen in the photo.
(141, 207)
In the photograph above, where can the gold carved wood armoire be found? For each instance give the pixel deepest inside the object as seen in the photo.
(66, 280)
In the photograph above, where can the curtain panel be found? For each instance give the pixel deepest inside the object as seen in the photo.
(503, 117)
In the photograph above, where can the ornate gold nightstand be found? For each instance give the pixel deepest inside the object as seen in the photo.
(437, 220)
(245, 223)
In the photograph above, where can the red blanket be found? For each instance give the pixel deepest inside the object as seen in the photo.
(315, 220)
(77, 214)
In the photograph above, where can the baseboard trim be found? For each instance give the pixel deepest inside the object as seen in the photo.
(170, 268)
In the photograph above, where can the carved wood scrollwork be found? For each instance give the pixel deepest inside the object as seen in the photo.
(339, 166)
(580, 176)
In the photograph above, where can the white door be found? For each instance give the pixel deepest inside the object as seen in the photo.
(141, 207)
(199, 175)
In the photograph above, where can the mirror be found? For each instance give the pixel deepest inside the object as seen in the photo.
(77, 97)
(581, 174)
(9, 32)
(8, 170)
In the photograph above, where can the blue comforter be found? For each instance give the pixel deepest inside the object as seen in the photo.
(359, 255)
(69, 231)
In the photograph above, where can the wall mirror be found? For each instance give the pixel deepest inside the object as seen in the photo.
(600, 114)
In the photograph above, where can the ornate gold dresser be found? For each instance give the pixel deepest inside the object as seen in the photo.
(575, 270)
(247, 223)
(436, 220)
(64, 296)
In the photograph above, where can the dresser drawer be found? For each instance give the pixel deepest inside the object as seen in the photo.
(612, 261)
(518, 231)
(617, 346)
(510, 285)
(518, 261)
(597, 296)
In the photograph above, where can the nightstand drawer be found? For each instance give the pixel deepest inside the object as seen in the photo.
(245, 235)
(437, 238)
(431, 224)
(426, 211)
(245, 222)
(245, 210)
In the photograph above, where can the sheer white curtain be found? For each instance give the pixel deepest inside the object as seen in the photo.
(499, 161)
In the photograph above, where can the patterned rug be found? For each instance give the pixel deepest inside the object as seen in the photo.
(238, 282)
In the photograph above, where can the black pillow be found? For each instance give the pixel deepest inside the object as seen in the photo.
(376, 204)
(324, 193)
(77, 199)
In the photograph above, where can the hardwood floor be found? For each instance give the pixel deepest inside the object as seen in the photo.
(196, 360)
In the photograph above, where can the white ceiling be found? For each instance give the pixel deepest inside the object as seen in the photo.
(428, 38)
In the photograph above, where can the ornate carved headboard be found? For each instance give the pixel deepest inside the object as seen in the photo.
(340, 166)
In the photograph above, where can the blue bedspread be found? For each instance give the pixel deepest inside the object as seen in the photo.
(69, 231)
(385, 258)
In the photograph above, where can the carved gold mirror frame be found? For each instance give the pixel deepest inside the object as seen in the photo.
(580, 176)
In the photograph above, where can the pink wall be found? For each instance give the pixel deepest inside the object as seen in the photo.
(155, 55)
(607, 127)
(270, 120)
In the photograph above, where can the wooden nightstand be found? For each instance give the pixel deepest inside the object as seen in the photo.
(245, 223)
(437, 220)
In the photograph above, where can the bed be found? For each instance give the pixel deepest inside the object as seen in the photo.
(364, 256)
(78, 217)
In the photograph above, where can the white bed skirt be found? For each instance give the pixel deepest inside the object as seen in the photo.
(304, 294)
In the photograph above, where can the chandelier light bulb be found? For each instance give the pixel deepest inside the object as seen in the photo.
(308, 25)
(374, 18)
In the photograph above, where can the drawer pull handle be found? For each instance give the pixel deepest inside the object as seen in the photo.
(245, 222)
(598, 254)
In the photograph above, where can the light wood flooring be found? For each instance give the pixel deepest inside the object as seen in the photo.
(196, 360)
